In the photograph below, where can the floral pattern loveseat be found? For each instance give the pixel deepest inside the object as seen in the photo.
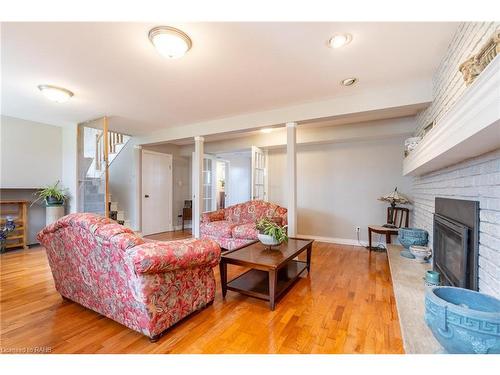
(234, 226)
(147, 286)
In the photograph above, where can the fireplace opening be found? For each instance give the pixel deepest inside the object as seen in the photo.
(456, 242)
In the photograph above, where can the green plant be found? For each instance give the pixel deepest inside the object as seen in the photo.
(51, 191)
(271, 228)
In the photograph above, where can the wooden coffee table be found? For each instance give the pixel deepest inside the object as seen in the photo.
(272, 272)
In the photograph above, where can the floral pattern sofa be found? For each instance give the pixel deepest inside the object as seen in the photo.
(234, 226)
(147, 286)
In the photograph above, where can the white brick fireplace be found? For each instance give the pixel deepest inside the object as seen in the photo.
(476, 179)
(460, 157)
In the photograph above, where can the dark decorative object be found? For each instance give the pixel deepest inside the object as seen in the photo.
(8, 227)
(393, 198)
(456, 242)
(463, 321)
(188, 204)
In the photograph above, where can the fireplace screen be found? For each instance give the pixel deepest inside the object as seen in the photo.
(451, 250)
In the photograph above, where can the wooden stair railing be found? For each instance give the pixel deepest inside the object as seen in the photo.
(114, 139)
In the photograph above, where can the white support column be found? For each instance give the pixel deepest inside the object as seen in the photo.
(291, 169)
(197, 184)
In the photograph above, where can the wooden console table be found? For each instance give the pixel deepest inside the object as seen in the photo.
(18, 210)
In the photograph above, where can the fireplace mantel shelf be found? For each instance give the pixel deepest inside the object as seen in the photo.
(470, 128)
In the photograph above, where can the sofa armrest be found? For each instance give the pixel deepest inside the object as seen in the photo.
(208, 217)
(166, 256)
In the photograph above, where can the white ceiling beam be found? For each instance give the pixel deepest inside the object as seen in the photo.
(366, 131)
(394, 97)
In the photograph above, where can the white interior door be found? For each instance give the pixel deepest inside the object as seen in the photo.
(156, 192)
(259, 174)
(209, 183)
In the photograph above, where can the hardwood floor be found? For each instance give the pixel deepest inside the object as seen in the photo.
(346, 305)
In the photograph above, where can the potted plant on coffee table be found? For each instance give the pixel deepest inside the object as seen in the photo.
(270, 233)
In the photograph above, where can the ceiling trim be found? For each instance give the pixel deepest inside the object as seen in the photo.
(418, 93)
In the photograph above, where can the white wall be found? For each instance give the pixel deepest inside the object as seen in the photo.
(34, 155)
(122, 182)
(31, 153)
(69, 173)
(338, 185)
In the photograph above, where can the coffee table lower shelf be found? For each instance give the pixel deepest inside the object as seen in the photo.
(255, 283)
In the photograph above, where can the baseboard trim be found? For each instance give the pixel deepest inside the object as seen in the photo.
(340, 241)
(179, 227)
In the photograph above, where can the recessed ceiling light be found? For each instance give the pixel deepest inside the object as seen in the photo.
(55, 94)
(339, 40)
(349, 81)
(169, 41)
(266, 130)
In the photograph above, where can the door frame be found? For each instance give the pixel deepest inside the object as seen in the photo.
(227, 166)
(170, 198)
(213, 179)
(254, 150)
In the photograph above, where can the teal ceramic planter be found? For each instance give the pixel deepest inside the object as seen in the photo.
(409, 237)
(412, 236)
(463, 321)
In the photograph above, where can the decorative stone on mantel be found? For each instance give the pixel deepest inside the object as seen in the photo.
(409, 291)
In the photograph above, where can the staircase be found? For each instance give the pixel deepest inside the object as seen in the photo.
(93, 184)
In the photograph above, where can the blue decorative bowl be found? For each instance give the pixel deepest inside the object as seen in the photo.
(463, 321)
(412, 236)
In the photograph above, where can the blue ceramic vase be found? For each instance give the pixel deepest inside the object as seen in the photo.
(409, 237)
(463, 321)
(412, 236)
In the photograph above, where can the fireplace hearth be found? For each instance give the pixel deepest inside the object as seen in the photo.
(456, 242)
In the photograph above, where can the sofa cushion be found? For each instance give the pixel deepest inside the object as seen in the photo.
(245, 231)
(251, 211)
(217, 228)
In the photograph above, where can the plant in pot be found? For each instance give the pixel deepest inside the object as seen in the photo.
(53, 195)
(270, 233)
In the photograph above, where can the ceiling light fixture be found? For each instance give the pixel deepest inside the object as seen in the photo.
(339, 40)
(349, 81)
(266, 130)
(55, 94)
(169, 41)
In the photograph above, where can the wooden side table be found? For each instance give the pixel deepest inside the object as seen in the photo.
(18, 210)
(388, 232)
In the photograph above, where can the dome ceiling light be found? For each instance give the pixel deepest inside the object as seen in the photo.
(339, 40)
(170, 42)
(348, 81)
(55, 94)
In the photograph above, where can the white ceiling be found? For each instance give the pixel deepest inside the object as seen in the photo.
(233, 68)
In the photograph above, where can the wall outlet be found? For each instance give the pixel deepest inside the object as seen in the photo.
(358, 229)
